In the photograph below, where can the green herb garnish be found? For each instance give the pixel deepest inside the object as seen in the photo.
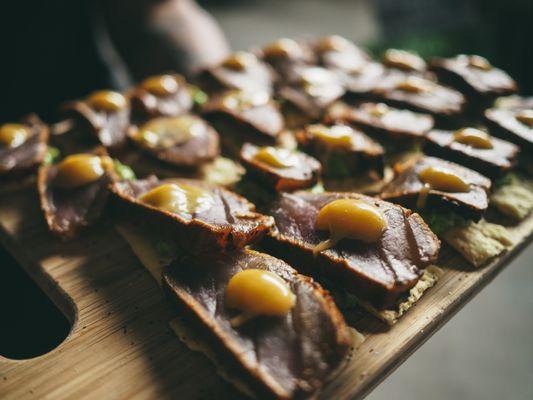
(123, 171)
(198, 95)
(336, 168)
(52, 155)
(507, 179)
(318, 188)
(440, 221)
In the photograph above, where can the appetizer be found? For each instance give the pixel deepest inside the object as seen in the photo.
(404, 60)
(241, 70)
(381, 121)
(435, 184)
(339, 54)
(101, 119)
(285, 54)
(474, 148)
(355, 68)
(243, 116)
(23, 147)
(73, 192)
(514, 102)
(450, 197)
(512, 124)
(419, 94)
(280, 169)
(360, 84)
(343, 151)
(307, 96)
(183, 141)
(475, 77)
(193, 214)
(275, 333)
(371, 248)
(161, 96)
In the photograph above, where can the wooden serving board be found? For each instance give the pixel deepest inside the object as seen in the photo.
(121, 346)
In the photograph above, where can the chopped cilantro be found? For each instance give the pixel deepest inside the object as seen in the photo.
(123, 171)
(51, 156)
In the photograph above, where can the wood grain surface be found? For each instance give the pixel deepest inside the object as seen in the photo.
(121, 346)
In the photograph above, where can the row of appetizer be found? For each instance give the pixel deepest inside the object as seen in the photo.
(308, 130)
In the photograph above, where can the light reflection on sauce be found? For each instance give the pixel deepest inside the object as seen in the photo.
(525, 117)
(240, 61)
(81, 169)
(179, 198)
(415, 84)
(242, 99)
(473, 137)
(337, 136)
(286, 48)
(479, 62)
(161, 85)
(404, 60)
(166, 132)
(13, 135)
(349, 219)
(256, 292)
(276, 157)
(107, 100)
(439, 178)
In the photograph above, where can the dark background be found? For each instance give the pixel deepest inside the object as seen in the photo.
(52, 50)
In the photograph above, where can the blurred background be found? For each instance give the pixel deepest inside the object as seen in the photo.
(57, 50)
(63, 49)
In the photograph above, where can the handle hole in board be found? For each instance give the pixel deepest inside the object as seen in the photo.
(30, 323)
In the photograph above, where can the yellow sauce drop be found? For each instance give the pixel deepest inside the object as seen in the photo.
(240, 61)
(415, 84)
(165, 132)
(107, 100)
(441, 178)
(423, 196)
(275, 157)
(162, 85)
(179, 198)
(350, 219)
(13, 135)
(81, 169)
(284, 47)
(257, 292)
(479, 62)
(337, 136)
(316, 76)
(334, 43)
(379, 109)
(404, 60)
(525, 117)
(239, 99)
(473, 137)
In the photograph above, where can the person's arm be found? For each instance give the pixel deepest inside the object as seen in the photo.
(153, 36)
